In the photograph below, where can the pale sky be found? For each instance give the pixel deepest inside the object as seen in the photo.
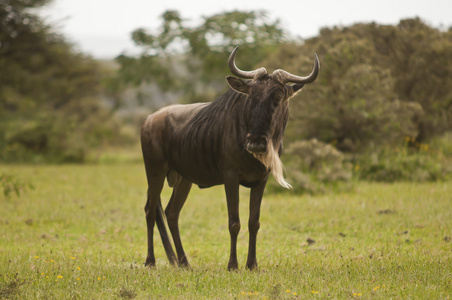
(102, 28)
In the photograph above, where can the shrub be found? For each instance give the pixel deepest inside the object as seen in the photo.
(57, 137)
(411, 162)
(10, 185)
(315, 167)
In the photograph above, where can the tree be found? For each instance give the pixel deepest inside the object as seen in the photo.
(419, 58)
(193, 59)
(49, 94)
(377, 85)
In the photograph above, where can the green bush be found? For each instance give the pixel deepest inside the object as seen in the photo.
(10, 185)
(56, 137)
(315, 167)
(411, 162)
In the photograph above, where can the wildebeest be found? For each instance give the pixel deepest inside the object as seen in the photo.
(234, 140)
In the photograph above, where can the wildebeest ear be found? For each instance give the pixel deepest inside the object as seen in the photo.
(238, 85)
(297, 87)
(293, 89)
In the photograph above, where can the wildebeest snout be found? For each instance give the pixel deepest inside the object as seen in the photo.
(256, 144)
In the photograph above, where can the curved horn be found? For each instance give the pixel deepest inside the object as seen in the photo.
(287, 77)
(244, 74)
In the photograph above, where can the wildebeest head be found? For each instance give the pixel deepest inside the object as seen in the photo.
(268, 95)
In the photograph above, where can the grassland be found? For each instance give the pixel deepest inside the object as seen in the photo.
(80, 233)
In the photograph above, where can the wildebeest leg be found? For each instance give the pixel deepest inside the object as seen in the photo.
(232, 198)
(164, 235)
(180, 193)
(155, 185)
(253, 223)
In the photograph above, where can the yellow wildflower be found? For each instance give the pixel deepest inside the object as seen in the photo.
(59, 276)
(315, 292)
(78, 268)
(36, 257)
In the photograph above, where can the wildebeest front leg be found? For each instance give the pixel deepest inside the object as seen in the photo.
(232, 198)
(253, 223)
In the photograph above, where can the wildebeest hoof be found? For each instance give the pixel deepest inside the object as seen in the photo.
(149, 263)
(251, 266)
(184, 264)
(233, 266)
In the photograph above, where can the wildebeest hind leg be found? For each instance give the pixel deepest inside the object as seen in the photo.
(172, 211)
(155, 185)
(164, 235)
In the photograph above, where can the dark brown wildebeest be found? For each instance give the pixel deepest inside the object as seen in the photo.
(235, 140)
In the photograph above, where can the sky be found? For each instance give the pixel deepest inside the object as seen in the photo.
(102, 28)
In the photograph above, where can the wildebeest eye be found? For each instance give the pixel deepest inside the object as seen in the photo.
(277, 98)
(277, 101)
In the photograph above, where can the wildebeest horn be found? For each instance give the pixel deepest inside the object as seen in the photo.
(285, 76)
(244, 74)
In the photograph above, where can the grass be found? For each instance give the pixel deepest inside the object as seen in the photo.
(80, 233)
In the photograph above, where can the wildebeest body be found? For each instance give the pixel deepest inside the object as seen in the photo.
(208, 139)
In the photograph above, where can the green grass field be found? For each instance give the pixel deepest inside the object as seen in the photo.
(81, 233)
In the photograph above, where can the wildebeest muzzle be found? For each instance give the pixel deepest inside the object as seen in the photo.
(256, 143)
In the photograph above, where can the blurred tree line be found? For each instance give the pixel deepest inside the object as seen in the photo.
(378, 83)
(381, 87)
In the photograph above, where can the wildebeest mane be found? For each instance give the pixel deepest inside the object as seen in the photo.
(225, 105)
(229, 107)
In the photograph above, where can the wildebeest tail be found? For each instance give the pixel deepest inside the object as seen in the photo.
(160, 220)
